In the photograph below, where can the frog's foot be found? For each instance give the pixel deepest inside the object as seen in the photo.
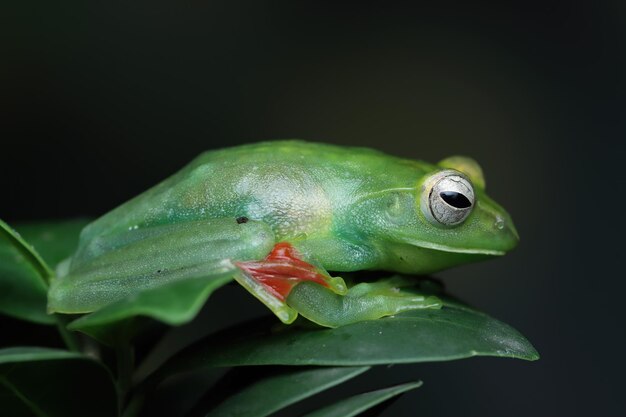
(364, 301)
(272, 279)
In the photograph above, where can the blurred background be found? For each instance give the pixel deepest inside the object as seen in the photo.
(99, 101)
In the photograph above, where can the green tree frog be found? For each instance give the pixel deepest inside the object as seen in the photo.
(278, 216)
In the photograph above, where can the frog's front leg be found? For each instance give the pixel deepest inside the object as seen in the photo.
(272, 279)
(364, 301)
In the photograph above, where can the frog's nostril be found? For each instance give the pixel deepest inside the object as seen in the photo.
(505, 227)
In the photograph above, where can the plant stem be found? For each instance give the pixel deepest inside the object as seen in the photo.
(68, 338)
(134, 405)
(124, 356)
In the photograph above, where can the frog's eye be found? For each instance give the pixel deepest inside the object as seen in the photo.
(447, 198)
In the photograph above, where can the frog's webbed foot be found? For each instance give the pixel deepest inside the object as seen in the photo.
(364, 301)
(272, 279)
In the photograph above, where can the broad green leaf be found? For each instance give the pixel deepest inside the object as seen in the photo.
(23, 279)
(48, 383)
(357, 404)
(175, 303)
(33, 354)
(279, 391)
(24, 265)
(12, 237)
(453, 332)
(53, 240)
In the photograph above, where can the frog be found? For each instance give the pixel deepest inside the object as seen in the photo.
(284, 219)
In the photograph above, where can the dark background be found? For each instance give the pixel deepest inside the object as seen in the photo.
(99, 101)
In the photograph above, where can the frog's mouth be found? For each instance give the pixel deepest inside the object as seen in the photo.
(452, 249)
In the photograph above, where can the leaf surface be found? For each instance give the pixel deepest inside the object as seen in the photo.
(276, 392)
(357, 404)
(23, 279)
(12, 237)
(453, 332)
(53, 240)
(26, 257)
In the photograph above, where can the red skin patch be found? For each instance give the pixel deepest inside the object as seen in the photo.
(281, 270)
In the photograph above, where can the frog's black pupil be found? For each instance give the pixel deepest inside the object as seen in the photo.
(455, 199)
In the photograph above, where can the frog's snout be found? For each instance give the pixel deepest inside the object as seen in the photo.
(505, 228)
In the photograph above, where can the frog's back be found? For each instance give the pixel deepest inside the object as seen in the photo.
(225, 182)
(292, 152)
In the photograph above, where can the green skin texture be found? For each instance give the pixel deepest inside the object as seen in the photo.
(343, 209)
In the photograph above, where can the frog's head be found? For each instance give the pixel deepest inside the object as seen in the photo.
(447, 220)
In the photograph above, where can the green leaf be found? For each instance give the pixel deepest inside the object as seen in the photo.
(23, 279)
(32, 354)
(453, 332)
(48, 383)
(279, 391)
(174, 303)
(24, 270)
(359, 403)
(13, 238)
(53, 240)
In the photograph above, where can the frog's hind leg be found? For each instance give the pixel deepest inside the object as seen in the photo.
(364, 301)
(144, 258)
(158, 255)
